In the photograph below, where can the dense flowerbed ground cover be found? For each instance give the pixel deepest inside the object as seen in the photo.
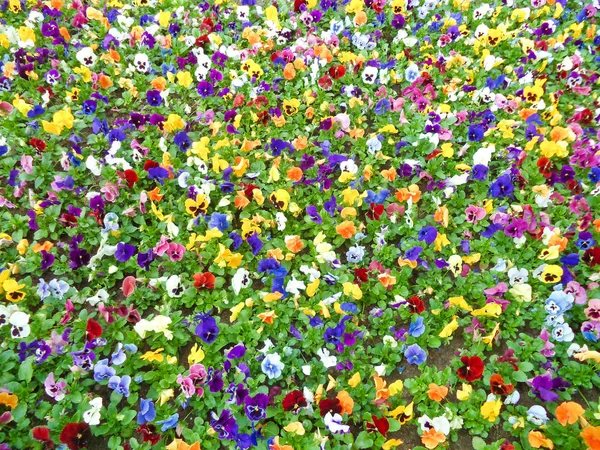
(359, 224)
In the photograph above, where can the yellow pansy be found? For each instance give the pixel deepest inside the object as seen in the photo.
(352, 290)
(295, 428)
(449, 329)
(355, 380)
(464, 393)
(165, 395)
(491, 410)
(152, 356)
(174, 122)
(196, 355)
(489, 310)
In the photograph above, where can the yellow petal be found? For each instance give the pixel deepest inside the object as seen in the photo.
(460, 302)
(311, 289)
(391, 444)
(355, 380)
(295, 428)
(489, 310)
(396, 387)
(449, 329)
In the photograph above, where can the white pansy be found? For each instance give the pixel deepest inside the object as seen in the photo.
(240, 280)
(86, 56)
(92, 416)
(327, 359)
(174, 286)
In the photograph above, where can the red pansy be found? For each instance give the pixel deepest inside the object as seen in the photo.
(93, 330)
(293, 401)
(204, 280)
(472, 368)
(415, 305)
(149, 434)
(592, 256)
(41, 434)
(76, 435)
(332, 406)
(337, 72)
(382, 425)
(361, 274)
(375, 211)
(499, 387)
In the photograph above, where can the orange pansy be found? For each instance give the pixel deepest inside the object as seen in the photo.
(346, 229)
(346, 402)
(568, 413)
(432, 438)
(9, 399)
(591, 437)
(437, 393)
(294, 244)
(538, 440)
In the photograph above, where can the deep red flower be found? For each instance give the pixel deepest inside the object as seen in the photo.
(509, 357)
(325, 82)
(248, 188)
(507, 446)
(293, 401)
(415, 305)
(382, 425)
(375, 211)
(68, 220)
(499, 387)
(76, 435)
(149, 434)
(41, 434)
(332, 406)
(545, 166)
(130, 176)
(361, 274)
(149, 164)
(38, 144)
(592, 256)
(337, 72)
(204, 280)
(298, 5)
(433, 154)
(472, 368)
(93, 330)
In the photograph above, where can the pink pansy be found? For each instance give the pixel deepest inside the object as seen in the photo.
(129, 212)
(175, 251)
(54, 389)
(128, 286)
(106, 312)
(162, 246)
(445, 135)
(27, 163)
(187, 386)
(548, 346)
(110, 191)
(593, 310)
(574, 288)
(69, 308)
(501, 288)
(474, 214)
(143, 200)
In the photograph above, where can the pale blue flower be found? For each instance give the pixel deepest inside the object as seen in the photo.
(272, 365)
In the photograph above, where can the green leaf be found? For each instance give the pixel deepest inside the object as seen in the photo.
(363, 440)
(519, 376)
(525, 366)
(129, 415)
(26, 370)
(478, 443)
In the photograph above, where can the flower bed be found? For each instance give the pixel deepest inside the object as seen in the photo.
(299, 225)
